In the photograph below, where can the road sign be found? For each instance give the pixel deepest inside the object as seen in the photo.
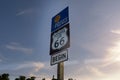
(60, 19)
(60, 39)
(60, 57)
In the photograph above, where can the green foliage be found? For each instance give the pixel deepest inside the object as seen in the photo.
(17, 79)
(32, 78)
(43, 79)
(22, 77)
(70, 79)
(4, 76)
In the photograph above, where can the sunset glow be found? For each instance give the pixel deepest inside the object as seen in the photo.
(26, 36)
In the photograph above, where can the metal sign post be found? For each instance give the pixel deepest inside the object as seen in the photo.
(60, 71)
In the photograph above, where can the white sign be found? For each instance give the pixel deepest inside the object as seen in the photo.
(60, 38)
(59, 57)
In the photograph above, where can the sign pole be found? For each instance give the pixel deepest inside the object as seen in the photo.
(60, 71)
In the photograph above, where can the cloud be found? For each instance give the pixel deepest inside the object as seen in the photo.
(0, 60)
(95, 71)
(91, 70)
(115, 31)
(85, 72)
(108, 64)
(27, 69)
(113, 56)
(2, 57)
(25, 11)
(96, 61)
(113, 51)
(20, 13)
(14, 43)
(74, 62)
(36, 66)
(17, 47)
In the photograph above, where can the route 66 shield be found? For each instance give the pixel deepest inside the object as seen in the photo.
(60, 39)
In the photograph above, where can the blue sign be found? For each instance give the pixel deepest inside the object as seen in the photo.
(60, 19)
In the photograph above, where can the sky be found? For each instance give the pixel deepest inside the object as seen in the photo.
(25, 29)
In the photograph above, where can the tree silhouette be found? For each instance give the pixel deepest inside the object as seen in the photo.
(43, 79)
(22, 77)
(70, 79)
(32, 78)
(4, 76)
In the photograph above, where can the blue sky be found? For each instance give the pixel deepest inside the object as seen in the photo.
(25, 28)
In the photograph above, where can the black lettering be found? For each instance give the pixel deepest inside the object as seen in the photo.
(62, 56)
(54, 59)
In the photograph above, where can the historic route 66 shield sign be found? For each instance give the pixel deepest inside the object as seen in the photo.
(60, 39)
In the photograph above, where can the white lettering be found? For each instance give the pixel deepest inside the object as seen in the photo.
(61, 22)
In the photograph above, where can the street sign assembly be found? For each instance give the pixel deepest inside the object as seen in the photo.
(60, 37)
